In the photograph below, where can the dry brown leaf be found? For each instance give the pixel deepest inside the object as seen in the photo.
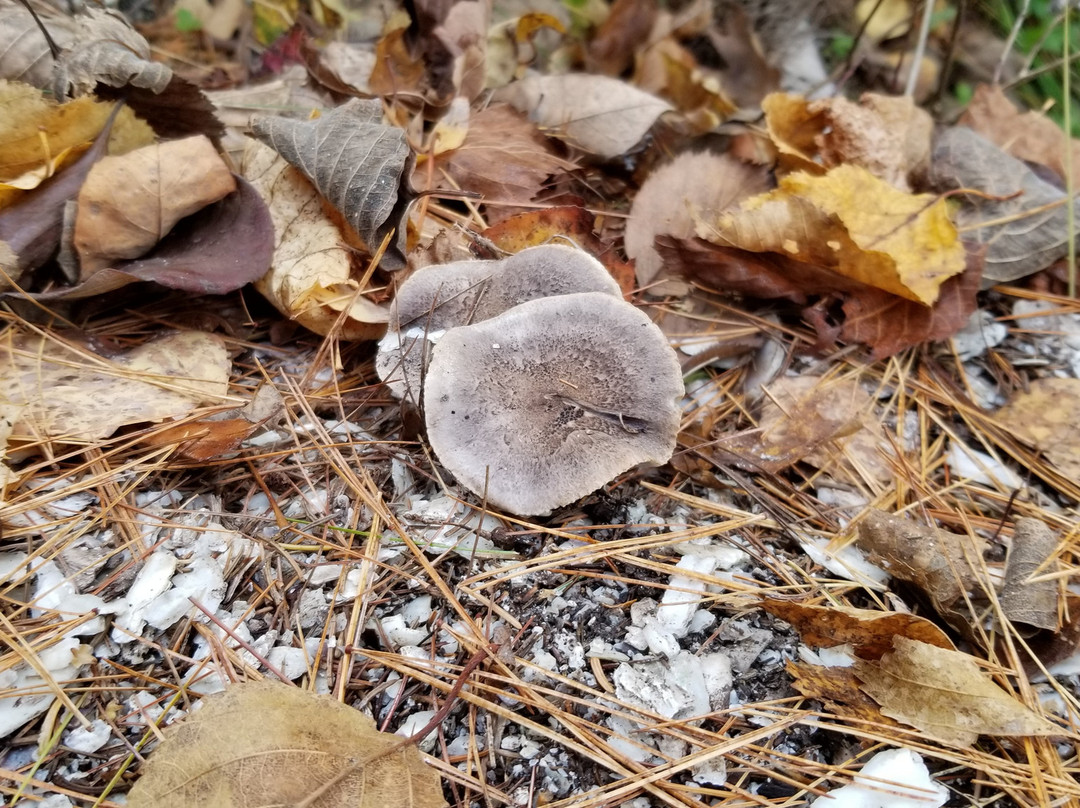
(854, 224)
(1028, 136)
(597, 114)
(611, 49)
(870, 633)
(128, 203)
(312, 279)
(669, 70)
(946, 695)
(265, 743)
(1031, 554)
(945, 566)
(888, 136)
(838, 690)
(1046, 417)
(694, 182)
(504, 157)
(567, 224)
(889, 324)
(70, 394)
(358, 163)
(1026, 218)
(821, 422)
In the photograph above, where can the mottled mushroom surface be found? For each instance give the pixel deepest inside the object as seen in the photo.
(443, 296)
(539, 406)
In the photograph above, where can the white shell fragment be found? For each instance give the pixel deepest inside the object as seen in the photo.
(582, 388)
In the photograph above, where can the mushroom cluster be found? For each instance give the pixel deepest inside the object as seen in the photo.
(537, 381)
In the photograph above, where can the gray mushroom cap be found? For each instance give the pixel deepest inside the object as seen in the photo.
(543, 404)
(447, 295)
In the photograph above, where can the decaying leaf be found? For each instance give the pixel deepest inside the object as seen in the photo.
(128, 203)
(854, 224)
(358, 163)
(1025, 216)
(945, 566)
(597, 114)
(1046, 417)
(312, 279)
(888, 136)
(223, 432)
(1023, 600)
(30, 228)
(106, 49)
(568, 224)
(1030, 136)
(946, 695)
(214, 251)
(822, 422)
(838, 690)
(694, 182)
(230, 754)
(889, 324)
(71, 394)
(870, 633)
(503, 157)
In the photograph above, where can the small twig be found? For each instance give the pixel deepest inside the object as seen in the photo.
(1010, 40)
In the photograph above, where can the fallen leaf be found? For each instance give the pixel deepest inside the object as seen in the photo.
(870, 633)
(854, 224)
(597, 114)
(568, 224)
(694, 182)
(1031, 554)
(36, 132)
(128, 203)
(31, 227)
(889, 324)
(945, 566)
(754, 274)
(230, 754)
(1046, 417)
(358, 163)
(221, 433)
(1029, 136)
(669, 70)
(883, 19)
(1025, 219)
(888, 136)
(611, 49)
(312, 279)
(72, 395)
(946, 695)
(838, 691)
(503, 156)
(214, 251)
(106, 49)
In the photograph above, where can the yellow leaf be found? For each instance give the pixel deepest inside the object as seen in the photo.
(854, 224)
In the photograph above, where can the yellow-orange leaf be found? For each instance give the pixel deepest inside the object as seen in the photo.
(854, 224)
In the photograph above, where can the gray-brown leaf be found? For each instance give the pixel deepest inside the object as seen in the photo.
(1034, 235)
(358, 163)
